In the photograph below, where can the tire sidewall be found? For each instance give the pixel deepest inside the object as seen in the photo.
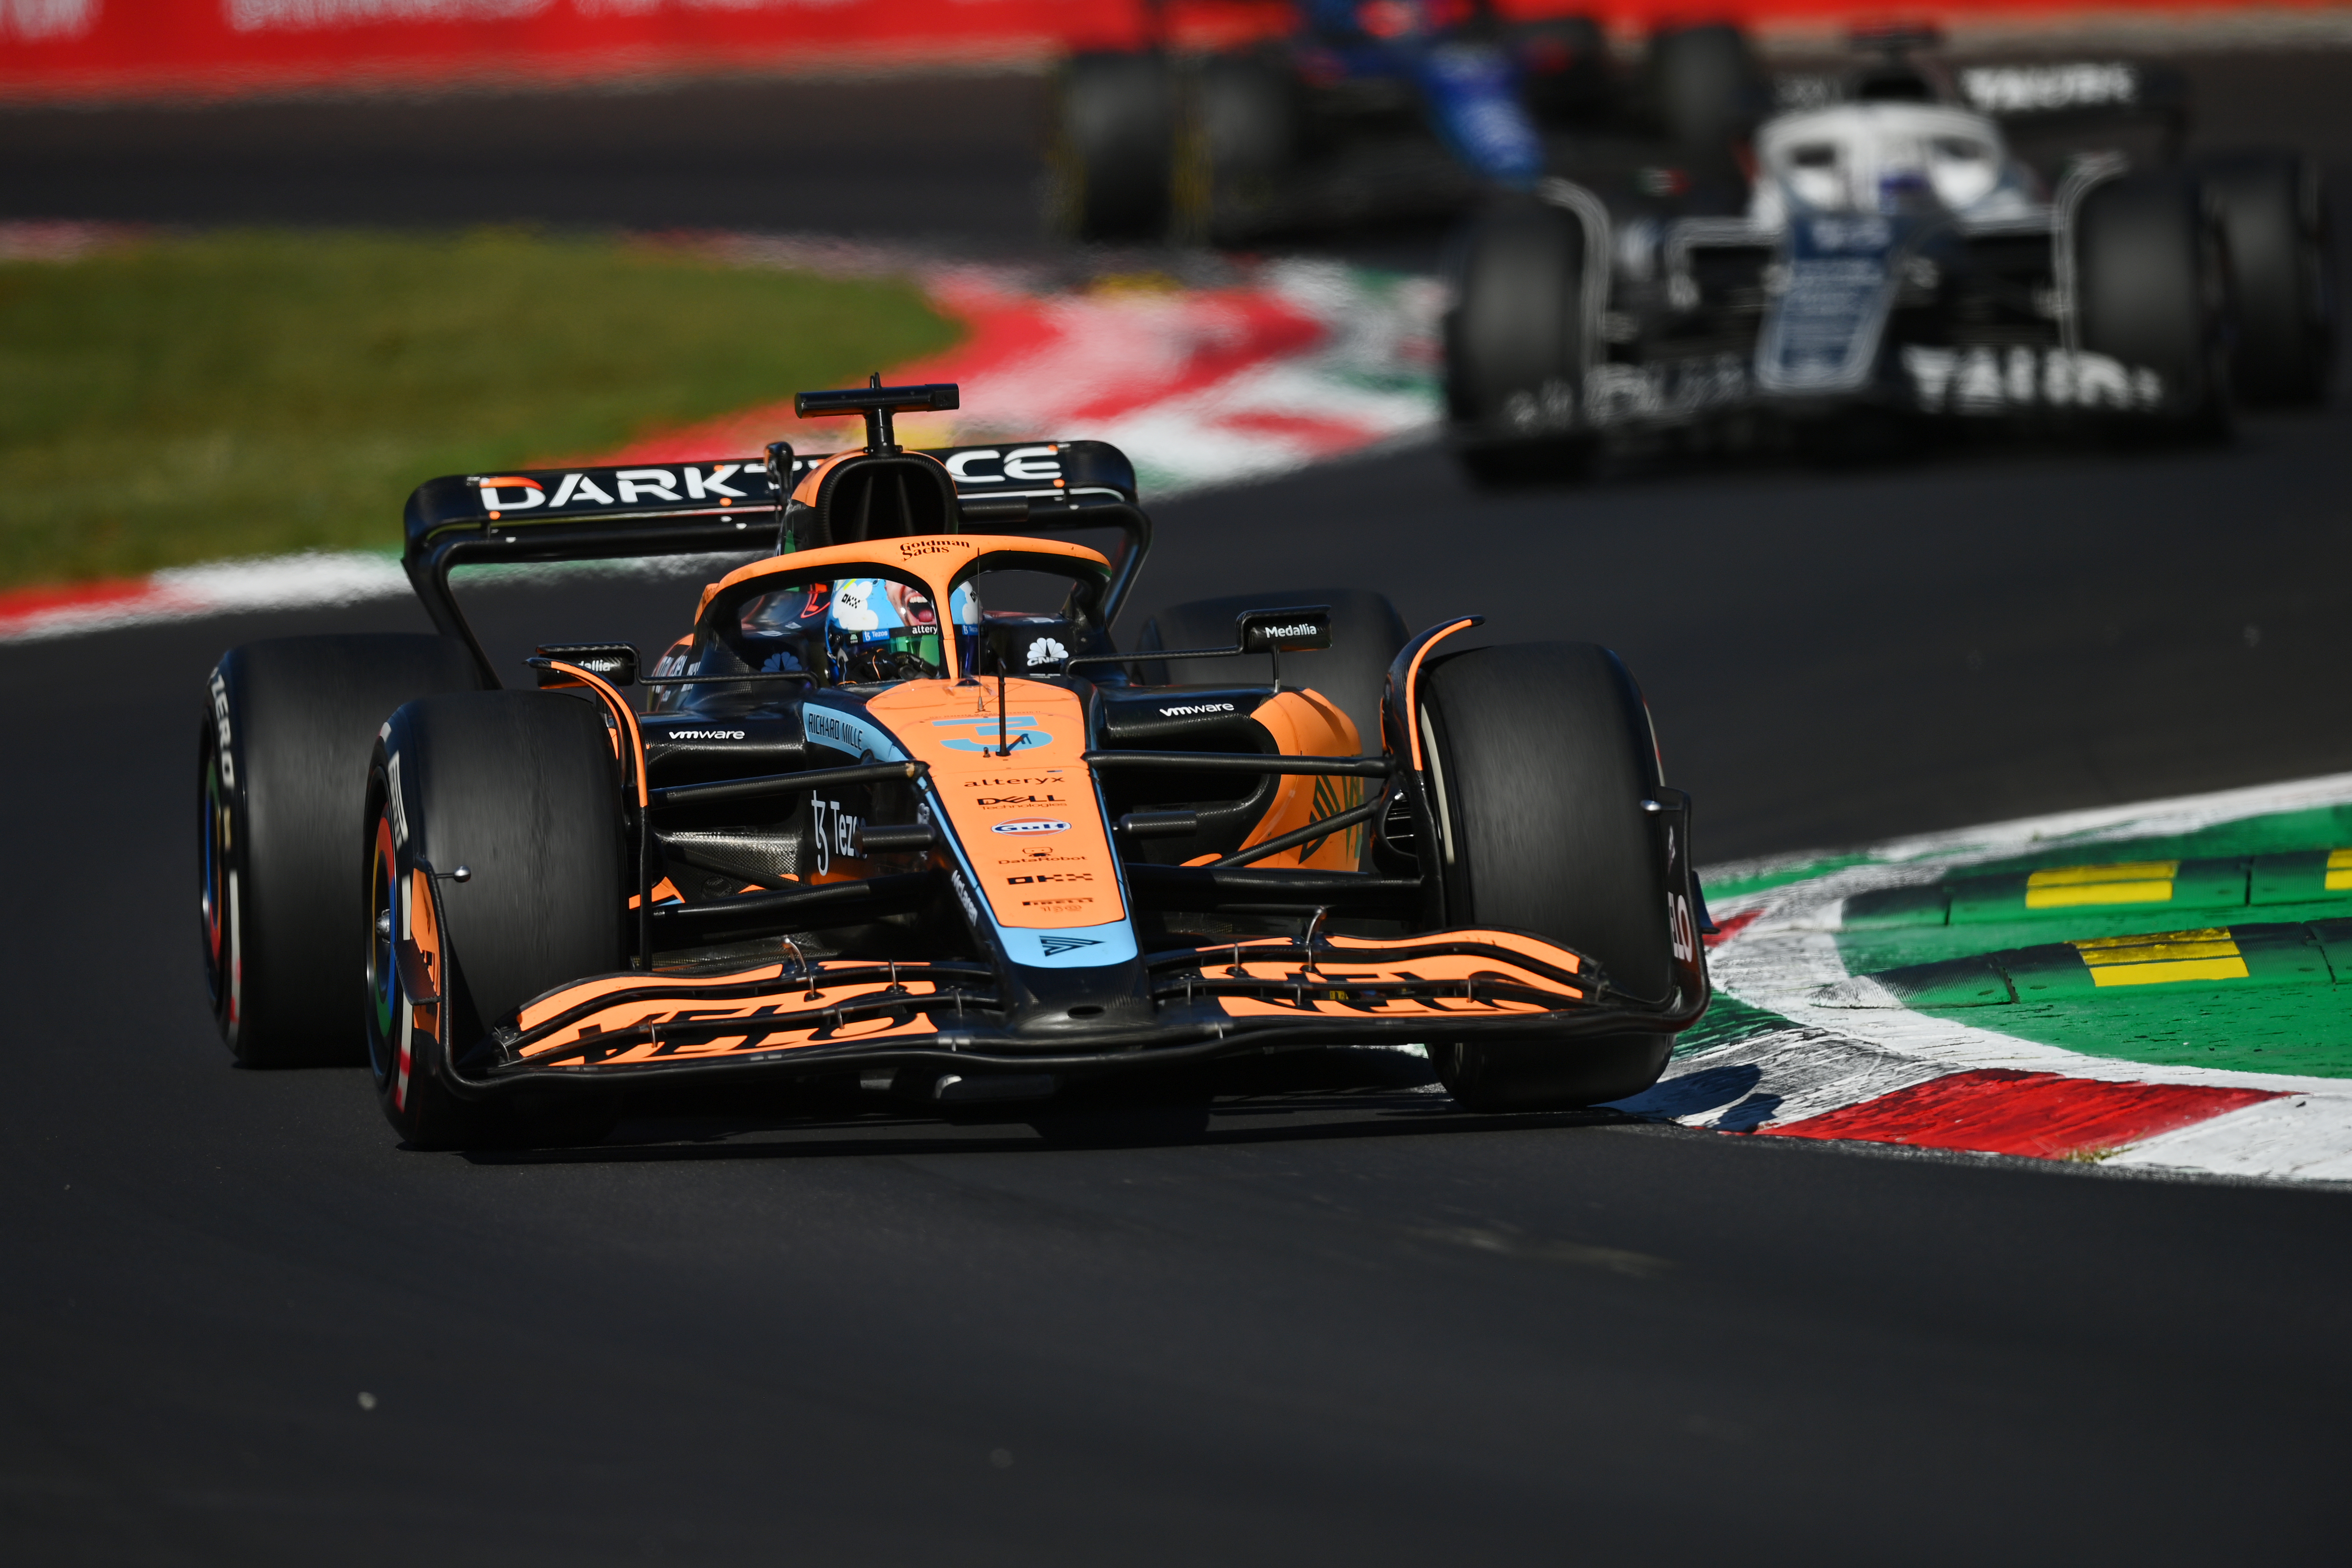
(1631, 902)
(221, 839)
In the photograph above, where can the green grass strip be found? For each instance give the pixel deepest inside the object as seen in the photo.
(253, 393)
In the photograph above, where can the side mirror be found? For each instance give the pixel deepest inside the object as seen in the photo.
(614, 663)
(1284, 631)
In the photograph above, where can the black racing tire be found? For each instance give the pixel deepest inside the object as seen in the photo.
(2152, 288)
(1515, 343)
(1541, 756)
(2272, 209)
(1366, 633)
(1239, 142)
(520, 788)
(281, 777)
(1113, 147)
(1564, 69)
(1707, 90)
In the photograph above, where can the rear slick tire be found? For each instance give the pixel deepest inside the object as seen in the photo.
(522, 789)
(2152, 287)
(1236, 152)
(281, 780)
(1515, 344)
(1542, 757)
(1113, 147)
(2273, 212)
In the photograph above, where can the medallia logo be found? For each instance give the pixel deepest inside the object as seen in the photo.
(1030, 825)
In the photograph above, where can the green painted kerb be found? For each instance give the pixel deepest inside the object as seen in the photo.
(2231, 947)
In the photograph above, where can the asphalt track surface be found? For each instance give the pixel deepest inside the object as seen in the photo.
(1338, 1321)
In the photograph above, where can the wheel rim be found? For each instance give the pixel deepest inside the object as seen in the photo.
(212, 833)
(384, 932)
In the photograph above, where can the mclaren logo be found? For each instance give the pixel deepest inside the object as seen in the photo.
(1055, 946)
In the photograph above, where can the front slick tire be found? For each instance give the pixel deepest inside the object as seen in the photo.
(281, 759)
(522, 790)
(1541, 755)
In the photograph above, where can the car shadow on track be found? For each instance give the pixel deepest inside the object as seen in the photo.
(1300, 1115)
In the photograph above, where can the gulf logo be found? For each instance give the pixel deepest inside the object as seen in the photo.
(1030, 825)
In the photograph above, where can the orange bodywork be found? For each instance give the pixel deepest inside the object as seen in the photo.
(1004, 809)
(800, 1008)
(1308, 724)
(790, 1009)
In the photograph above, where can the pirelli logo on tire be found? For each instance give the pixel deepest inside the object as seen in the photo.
(221, 725)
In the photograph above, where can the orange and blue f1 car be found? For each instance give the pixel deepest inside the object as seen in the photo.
(896, 812)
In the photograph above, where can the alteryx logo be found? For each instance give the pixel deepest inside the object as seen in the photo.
(1030, 825)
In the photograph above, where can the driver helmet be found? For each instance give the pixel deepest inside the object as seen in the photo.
(876, 628)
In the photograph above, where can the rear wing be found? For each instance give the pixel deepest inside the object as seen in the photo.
(723, 504)
(704, 503)
(2084, 88)
(2057, 96)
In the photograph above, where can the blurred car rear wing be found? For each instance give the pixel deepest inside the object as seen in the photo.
(732, 504)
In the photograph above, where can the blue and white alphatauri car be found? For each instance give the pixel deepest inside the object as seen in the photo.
(1894, 258)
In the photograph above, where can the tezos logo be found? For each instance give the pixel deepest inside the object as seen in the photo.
(834, 832)
(1030, 825)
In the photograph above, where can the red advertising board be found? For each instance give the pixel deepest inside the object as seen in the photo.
(141, 48)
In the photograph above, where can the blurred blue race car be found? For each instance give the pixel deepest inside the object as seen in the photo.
(1369, 109)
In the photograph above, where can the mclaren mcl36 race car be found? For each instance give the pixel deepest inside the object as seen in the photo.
(892, 818)
(1370, 111)
(1897, 263)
